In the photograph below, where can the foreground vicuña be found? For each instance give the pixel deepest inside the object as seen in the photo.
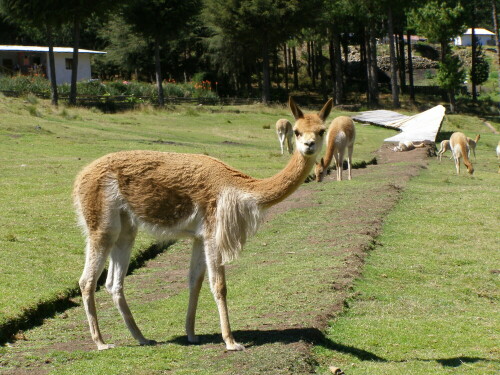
(180, 195)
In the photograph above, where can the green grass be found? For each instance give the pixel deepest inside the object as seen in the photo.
(428, 299)
(41, 249)
(284, 278)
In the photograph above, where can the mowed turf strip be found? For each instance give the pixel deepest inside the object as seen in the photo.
(428, 301)
(291, 277)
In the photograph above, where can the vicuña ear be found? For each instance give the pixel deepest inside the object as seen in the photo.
(325, 111)
(297, 113)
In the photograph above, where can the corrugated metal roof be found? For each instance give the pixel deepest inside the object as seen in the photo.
(45, 49)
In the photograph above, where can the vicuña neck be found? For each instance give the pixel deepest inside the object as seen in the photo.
(274, 189)
(327, 159)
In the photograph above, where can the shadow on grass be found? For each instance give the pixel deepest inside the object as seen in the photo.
(33, 317)
(442, 135)
(286, 336)
(315, 337)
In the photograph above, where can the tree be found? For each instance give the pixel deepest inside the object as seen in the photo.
(77, 11)
(394, 71)
(160, 21)
(260, 26)
(451, 76)
(494, 14)
(43, 16)
(440, 21)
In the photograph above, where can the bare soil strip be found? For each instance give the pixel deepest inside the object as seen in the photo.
(281, 344)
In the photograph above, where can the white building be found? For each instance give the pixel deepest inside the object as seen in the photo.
(483, 37)
(35, 60)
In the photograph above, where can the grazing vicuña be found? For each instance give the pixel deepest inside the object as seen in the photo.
(460, 149)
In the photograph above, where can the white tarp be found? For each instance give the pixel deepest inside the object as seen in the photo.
(418, 128)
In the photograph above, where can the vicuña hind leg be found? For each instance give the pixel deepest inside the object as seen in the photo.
(217, 278)
(118, 266)
(196, 276)
(339, 161)
(98, 248)
(349, 162)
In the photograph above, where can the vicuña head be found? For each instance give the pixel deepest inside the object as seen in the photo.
(180, 195)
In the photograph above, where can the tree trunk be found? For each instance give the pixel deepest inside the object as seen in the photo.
(54, 96)
(266, 82)
(337, 55)
(495, 26)
(313, 64)
(332, 63)
(74, 65)
(372, 66)
(444, 50)
(286, 66)
(295, 69)
(159, 78)
(451, 94)
(402, 64)
(473, 63)
(321, 68)
(392, 52)
(345, 46)
(275, 69)
(410, 67)
(309, 59)
(366, 39)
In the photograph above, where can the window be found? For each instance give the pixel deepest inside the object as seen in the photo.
(69, 64)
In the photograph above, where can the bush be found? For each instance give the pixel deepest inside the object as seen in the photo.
(41, 86)
(25, 85)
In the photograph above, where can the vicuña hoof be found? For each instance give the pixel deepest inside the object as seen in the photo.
(105, 346)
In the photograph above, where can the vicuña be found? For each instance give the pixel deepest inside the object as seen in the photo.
(341, 136)
(460, 149)
(180, 195)
(472, 144)
(445, 146)
(285, 133)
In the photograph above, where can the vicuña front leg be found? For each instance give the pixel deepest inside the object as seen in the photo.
(118, 266)
(217, 277)
(196, 276)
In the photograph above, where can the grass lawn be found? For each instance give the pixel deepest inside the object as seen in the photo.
(42, 149)
(428, 299)
(285, 278)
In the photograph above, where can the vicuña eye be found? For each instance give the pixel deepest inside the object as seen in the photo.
(297, 133)
(321, 132)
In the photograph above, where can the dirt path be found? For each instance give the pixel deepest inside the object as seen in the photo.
(290, 334)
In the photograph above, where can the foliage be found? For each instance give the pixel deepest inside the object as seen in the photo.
(439, 21)
(25, 85)
(451, 74)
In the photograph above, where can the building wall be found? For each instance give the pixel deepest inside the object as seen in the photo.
(63, 75)
(466, 40)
